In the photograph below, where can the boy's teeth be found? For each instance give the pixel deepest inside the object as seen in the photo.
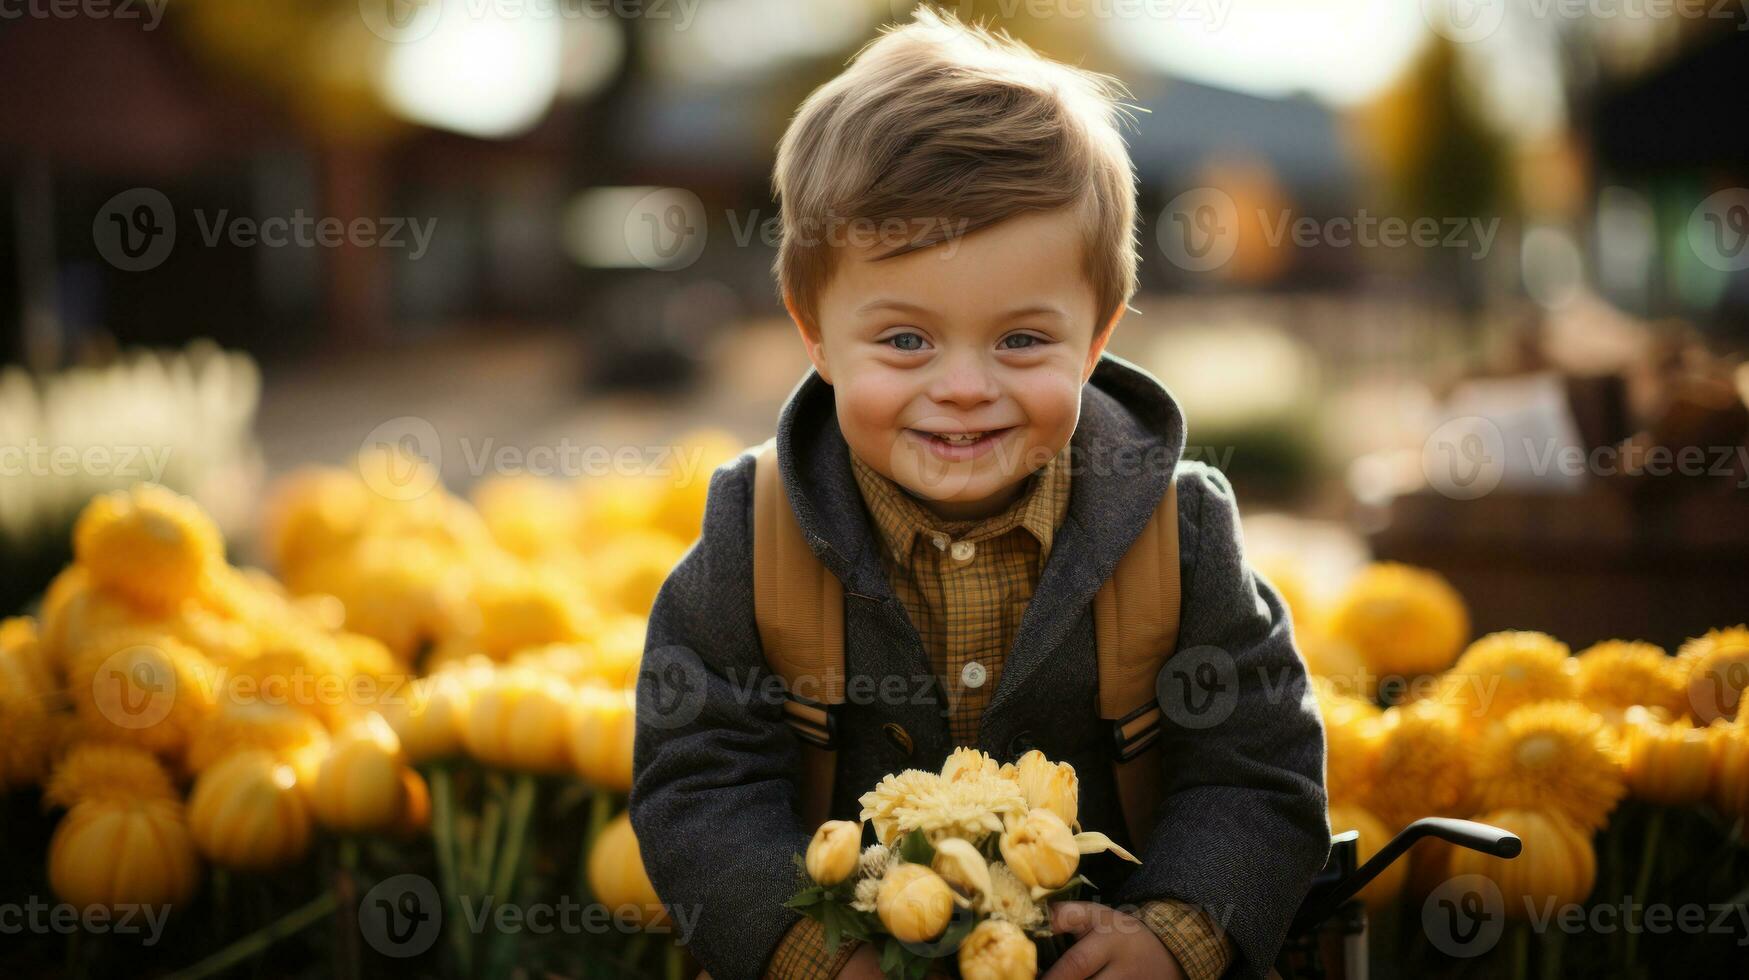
(960, 436)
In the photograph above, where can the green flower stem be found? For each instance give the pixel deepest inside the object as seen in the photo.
(601, 807)
(257, 942)
(486, 846)
(1643, 881)
(443, 836)
(346, 951)
(676, 963)
(515, 836)
(1520, 951)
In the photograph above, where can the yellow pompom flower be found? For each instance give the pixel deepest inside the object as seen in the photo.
(1402, 620)
(292, 735)
(312, 513)
(1502, 671)
(1557, 756)
(1557, 863)
(528, 516)
(150, 544)
(427, 714)
(627, 570)
(113, 853)
(525, 610)
(1423, 769)
(518, 719)
(1615, 675)
(108, 771)
(1730, 769)
(305, 670)
(1354, 738)
(687, 482)
(1716, 667)
(1665, 762)
(142, 687)
(601, 734)
(400, 591)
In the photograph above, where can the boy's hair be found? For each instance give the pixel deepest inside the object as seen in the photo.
(948, 128)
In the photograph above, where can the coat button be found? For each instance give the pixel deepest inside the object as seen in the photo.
(973, 674)
(1021, 743)
(897, 734)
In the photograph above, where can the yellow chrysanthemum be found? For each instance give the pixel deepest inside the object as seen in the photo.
(1402, 620)
(1505, 670)
(21, 657)
(403, 592)
(303, 670)
(76, 612)
(626, 570)
(688, 480)
(1668, 763)
(27, 709)
(150, 544)
(108, 771)
(528, 516)
(279, 728)
(312, 513)
(1557, 756)
(1615, 675)
(1716, 668)
(1354, 738)
(1423, 769)
(918, 800)
(143, 687)
(1010, 900)
(526, 610)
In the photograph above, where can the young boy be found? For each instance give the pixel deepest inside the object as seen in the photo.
(958, 248)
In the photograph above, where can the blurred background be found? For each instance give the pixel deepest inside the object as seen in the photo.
(1459, 284)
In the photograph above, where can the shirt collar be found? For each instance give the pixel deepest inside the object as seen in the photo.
(899, 518)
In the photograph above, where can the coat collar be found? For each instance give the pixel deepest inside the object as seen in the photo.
(1125, 449)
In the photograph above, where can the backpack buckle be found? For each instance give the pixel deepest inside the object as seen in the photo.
(1135, 732)
(814, 722)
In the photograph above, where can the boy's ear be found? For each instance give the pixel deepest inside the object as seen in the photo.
(1098, 346)
(810, 337)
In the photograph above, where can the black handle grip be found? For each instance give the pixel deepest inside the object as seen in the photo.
(1464, 833)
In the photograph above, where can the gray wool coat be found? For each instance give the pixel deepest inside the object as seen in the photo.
(1242, 826)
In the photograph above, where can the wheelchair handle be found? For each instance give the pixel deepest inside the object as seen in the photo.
(1463, 833)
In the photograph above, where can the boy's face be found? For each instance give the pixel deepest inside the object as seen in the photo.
(957, 369)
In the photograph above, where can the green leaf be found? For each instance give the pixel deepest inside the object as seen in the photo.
(915, 848)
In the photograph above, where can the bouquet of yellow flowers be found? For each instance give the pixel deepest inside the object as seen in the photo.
(965, 864)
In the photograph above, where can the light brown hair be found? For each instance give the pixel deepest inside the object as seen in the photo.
(940, 128)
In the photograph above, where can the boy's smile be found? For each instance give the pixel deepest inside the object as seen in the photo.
(957, 368)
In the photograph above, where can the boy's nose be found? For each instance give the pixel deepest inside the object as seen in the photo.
(963, 380)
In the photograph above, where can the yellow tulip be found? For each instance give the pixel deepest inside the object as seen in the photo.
(914, 903)
(617, 876)
(1730, 744)
(247, 812)
(601, 733)
(110, 852)
(427, 715)
(833, 853)
(969, 763)
(962, 865)
(997, 950)
(1040, 849)
(358, 783)
(1665, 763)
(517, 719)
(1048, 785)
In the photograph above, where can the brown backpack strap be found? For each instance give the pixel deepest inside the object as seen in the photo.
(799, 606)
(1135, 620)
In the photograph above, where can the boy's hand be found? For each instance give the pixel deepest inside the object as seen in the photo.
(1110, 943)
(864, 964)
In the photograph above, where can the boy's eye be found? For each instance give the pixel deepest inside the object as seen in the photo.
(1019, 341)
(906, 341)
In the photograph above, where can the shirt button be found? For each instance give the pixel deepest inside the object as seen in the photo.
(940, 542)
(963, 550)
(973, 674)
